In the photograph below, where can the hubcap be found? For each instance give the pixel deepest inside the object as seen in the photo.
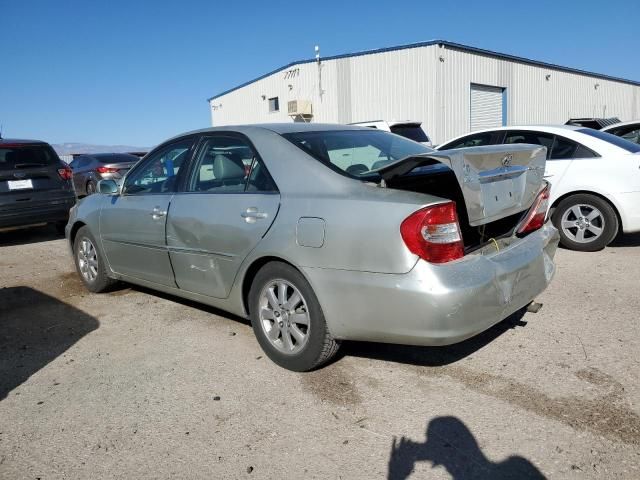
(582, 223)
(284, 316)
(88, 260)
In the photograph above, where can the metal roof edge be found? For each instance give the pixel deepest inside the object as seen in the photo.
(446, 43)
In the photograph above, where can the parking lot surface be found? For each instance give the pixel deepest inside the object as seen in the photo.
(136, 384)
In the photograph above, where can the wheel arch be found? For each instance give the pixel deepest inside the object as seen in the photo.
(74, 231)
(603, 197)
(252, 271)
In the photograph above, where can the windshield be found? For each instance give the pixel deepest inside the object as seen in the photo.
(617, 141)
(412, 132)
(18, 155)
(356, 152)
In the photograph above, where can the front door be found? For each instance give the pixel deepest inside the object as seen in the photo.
(133, 225)
(229, 203)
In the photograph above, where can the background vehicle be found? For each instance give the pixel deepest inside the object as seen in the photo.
(35, 185)
(315, 251)
(405, 128)
(88, 170)
(628, 130)
(595, 179)
(595, 123)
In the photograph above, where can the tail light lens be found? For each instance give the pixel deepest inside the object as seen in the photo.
(433, 233)
(106, 170)
(65, 173)
(537, 213)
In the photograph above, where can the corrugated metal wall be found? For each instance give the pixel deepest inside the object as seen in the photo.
(427, 83)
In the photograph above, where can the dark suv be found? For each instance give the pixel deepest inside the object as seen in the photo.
(35, 185)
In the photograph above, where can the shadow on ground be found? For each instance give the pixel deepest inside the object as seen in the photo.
(628, 240)
(432, 356)
(449, 443)
(24, 236)
(35, 329)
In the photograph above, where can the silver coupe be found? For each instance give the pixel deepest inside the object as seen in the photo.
(323, 233)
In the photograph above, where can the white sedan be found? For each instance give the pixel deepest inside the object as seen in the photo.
(595, 179)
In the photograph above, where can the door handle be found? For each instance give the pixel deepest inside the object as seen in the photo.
(157, 213)
(251, 214)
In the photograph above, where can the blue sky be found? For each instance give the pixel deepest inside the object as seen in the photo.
(136, 73)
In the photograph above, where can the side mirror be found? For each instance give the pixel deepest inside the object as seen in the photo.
(108, 187)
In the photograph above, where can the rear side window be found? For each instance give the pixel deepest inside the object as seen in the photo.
(228, 164)
(533, 138)
(563, 148)
(584, 152)
(612, 139)
(26, 156)
(412, 132)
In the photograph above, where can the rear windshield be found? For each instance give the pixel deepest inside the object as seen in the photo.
(26, 156)
(412, 132)
(356, 152)
(617, 141)
(116, 158)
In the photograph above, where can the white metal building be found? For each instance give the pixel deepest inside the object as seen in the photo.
(451, 88)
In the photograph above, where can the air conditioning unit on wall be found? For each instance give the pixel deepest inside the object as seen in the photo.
(300, 108)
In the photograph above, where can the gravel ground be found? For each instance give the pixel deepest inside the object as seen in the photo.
(135, 384)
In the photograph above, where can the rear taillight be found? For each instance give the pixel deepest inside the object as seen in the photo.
(537, 213)
(65, 173)
(106, 170)
(433, 233)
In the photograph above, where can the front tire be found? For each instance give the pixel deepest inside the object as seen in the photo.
(586, 223)
(287, 319)
(90, 262)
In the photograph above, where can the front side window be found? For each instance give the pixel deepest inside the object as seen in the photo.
(159, 172)
(228, 165)
(355, 152)
(274, 104)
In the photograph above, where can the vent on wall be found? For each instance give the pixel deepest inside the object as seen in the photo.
(300, 108)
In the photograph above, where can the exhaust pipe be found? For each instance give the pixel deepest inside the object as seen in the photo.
(534, 307)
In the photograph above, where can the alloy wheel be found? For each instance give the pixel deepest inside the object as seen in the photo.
(582, 223)
(88, 260)
(284, 316)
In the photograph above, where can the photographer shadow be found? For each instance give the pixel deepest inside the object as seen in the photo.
(450, 444)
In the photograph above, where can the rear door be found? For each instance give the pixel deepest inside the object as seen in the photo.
(133, 224)
(228, 204)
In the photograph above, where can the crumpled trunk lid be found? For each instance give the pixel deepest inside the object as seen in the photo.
(496, 181)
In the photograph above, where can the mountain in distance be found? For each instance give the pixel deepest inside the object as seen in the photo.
(72, 148)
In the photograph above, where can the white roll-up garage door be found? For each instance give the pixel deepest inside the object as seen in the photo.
(486, 107)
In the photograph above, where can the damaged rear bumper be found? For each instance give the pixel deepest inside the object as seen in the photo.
(437, 304)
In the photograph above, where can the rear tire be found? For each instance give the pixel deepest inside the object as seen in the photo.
(90, 188)
(90, 262)
(287, 319)
(586, 223)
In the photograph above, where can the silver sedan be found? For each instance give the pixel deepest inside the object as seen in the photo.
(323, 233)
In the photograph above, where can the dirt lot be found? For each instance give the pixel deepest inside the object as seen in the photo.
(134, 384)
